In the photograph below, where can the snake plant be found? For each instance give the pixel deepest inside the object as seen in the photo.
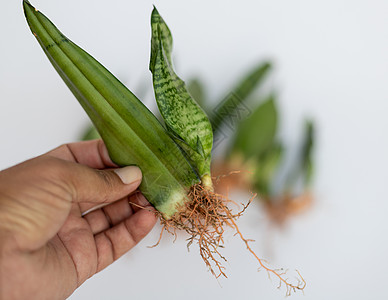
(172, 159)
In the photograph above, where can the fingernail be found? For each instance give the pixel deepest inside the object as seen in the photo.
(130, 174)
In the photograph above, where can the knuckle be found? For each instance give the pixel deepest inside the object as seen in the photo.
(108, 180)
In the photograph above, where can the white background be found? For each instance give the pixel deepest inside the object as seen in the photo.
(331, 63)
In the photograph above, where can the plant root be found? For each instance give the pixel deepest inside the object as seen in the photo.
(205, 218)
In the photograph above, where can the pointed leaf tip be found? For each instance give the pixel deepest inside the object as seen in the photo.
(161, 38)
(26, 3)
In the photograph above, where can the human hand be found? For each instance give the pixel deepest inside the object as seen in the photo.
(47, 248)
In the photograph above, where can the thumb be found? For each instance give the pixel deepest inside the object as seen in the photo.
(92, 187)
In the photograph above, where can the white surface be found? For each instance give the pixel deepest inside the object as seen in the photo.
(331, 62)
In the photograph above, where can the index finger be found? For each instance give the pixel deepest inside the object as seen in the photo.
(89, 153)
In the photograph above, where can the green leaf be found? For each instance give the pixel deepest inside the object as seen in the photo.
(307, 152)
(257, 133)
(130, 131)
(302, 170)
(267, 167)
(184, 118)
(160, 34)
(239, 95)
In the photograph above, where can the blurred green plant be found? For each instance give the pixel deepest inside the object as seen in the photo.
(90, 133)
(257, 153)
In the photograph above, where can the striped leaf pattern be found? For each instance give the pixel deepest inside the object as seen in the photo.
(184, 118)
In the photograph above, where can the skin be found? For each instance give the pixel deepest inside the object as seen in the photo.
(47, 248)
